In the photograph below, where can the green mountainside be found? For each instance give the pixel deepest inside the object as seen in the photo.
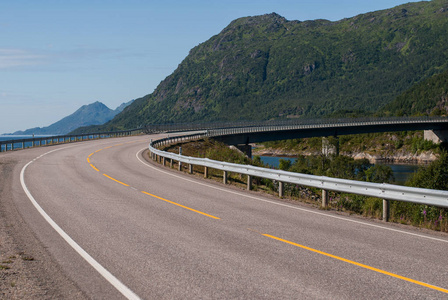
(266, 67)
(430, 97)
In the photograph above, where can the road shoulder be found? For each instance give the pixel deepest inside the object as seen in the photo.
(27, 270)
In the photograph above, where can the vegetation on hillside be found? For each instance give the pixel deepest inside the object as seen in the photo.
(385, 144)
(266, 67)
(429, 97)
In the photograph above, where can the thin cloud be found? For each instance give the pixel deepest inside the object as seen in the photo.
(11, 58)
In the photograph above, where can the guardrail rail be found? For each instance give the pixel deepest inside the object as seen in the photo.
(16, 144)
(384, 191)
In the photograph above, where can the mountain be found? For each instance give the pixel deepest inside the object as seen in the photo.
(430, 97)
(266, 67)
(92, 114)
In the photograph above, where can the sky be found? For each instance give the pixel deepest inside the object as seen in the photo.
(57, 55)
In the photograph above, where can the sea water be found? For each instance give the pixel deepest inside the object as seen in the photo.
(402, 172)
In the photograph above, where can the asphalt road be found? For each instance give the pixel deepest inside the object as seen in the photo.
(136, 229)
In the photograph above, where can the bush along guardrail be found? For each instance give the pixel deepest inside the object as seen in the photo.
(17, 144)
(383, 191)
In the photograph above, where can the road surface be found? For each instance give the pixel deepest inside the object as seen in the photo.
(121, 227)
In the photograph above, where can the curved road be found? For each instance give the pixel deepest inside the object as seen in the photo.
(134, 229)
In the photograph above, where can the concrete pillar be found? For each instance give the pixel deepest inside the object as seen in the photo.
(281, 189)
(224, 177)
(246, 149)
(324, 198)
(436, 136)
(330, 147)
(386, 210)
(249, 182)
(205, 172)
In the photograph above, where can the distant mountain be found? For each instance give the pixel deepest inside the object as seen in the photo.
(92, 114)
(266, 67)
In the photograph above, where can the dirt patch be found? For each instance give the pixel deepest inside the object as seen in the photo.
(27, 270)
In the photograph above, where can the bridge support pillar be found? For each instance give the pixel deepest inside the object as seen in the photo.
(325, 198)
(386, 210)
(436, 136)
(330, 146)
(246, 149)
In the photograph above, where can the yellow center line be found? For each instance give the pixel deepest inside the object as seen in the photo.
(98, 150)
(88, 160)
(116, 180)
(91, 154)
(359, 264)
(94, 168)
(183, 206)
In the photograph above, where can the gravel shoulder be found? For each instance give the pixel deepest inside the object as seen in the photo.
(27, 270)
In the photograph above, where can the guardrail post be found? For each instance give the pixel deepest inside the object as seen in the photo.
(164, 161)
(171, 163)
(324, 198)
(249, 182)
(180, 163)
(205, 172)
(190, 169)
(386, 210)
(281, 189)
(224, 177)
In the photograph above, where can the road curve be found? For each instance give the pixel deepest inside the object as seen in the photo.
(158, 234)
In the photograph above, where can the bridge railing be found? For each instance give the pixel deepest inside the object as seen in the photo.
(288, 123)
(16, 144)
(380, 190)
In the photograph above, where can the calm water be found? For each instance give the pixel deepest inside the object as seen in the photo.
(401, 171)
(19, 137)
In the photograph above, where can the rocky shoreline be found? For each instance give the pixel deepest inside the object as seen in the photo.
(424, 157)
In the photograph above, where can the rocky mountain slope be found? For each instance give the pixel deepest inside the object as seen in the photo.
(266, 67)
(92, 114)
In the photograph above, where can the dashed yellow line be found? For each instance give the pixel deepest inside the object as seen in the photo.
(116, 180)
(183, 206)
(94, 168)
(359, 264)
(149, 194)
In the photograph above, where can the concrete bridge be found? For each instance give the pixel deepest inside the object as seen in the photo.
(435, 129)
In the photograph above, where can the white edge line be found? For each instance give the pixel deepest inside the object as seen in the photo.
(99, 268)
(286, 205)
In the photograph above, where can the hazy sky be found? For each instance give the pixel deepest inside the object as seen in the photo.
(57, 55)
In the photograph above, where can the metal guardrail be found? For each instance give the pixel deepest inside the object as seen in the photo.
(16, 144)
(379, 190)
